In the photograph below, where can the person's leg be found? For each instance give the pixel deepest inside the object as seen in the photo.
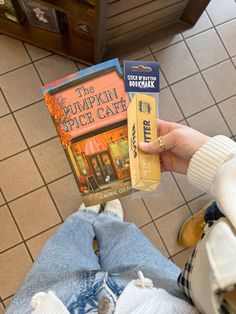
(124, 250)
(68, 253)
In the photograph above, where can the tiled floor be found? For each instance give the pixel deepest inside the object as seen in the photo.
(38, 191)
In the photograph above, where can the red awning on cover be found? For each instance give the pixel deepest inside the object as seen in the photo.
(94, 146)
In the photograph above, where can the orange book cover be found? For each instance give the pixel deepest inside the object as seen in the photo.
(89, 110)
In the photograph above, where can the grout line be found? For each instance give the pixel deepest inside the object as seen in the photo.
(15, 154)
(28, 63)
(17, 68)
(17, 226)
(33, 64)
(38, 188)
(207, 83)
(30, 238)
(172, 91)
(165, 246)
(32, 156)
(10, 296)
(181, 251)
(176, 182)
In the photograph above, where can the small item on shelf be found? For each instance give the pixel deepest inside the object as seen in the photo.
(83, 26)
(40, 15)
(10, 11)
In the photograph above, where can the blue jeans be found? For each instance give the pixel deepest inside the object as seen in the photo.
(68, 265)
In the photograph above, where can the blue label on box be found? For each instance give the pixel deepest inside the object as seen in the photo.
(142, 76)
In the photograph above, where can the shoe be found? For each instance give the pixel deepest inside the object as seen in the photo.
(193, 228)
(115, 207)
(95, 208)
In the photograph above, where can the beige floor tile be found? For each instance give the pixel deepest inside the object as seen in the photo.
(11, 140)
(9, 234)
(163, 82)
(51, 159)
(135, 55)
(3, 105)
(19, 175)
(36, 244)
(135, 210)
(35, 123)
(165, 198)
(221, 80)
(166, 42)
(54, 67)
(36, 53)
(21, 87)
(2, 309)
(14, 265)
(188, 190)
(192, 95)
(221, 11)
(7, 301)
(151, 233)
(169, 226)
(176, 62)
(35, 213)
(228, 108)
(12, 54)
(214, 53)
(66, 195)
(182, 258)
(227, 33)
(2, 201)
(209, 122)
(168, 108)
(202, 24)
(197, 204)
(234, 60)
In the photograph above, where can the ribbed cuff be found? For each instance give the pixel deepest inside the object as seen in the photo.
(207, 160)
(47, 303)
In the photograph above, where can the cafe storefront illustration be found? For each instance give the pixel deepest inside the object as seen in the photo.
(102, 160)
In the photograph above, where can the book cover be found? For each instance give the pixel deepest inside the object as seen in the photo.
(40, 15)
(89, 110)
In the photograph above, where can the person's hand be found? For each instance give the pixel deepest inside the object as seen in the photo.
(181, 143)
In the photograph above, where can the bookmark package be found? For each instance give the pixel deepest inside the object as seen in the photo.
(142, 85)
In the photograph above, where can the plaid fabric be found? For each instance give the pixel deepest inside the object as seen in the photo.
(184, 279)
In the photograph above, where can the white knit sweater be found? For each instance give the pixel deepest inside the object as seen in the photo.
(212, 169)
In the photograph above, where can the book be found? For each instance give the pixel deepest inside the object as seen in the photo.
(40, 15)
(11, 11)
(89, 110)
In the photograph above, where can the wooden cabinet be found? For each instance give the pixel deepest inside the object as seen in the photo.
(111, 28)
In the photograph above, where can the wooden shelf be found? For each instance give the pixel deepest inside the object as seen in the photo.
(117, 26)
(77, 48)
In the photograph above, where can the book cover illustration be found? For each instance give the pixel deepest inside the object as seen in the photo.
(89, 110)
(40, 16)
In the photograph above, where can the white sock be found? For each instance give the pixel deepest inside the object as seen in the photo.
(115, 207)
(94, 208)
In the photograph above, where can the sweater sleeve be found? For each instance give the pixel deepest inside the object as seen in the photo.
(213, 170)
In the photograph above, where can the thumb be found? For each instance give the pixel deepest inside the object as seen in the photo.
(154, 147)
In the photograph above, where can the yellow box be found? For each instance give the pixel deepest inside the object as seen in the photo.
(142, 127)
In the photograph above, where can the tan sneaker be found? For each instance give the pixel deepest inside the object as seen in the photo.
(193, 228)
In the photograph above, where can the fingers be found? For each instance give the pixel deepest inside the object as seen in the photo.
(154, 147)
